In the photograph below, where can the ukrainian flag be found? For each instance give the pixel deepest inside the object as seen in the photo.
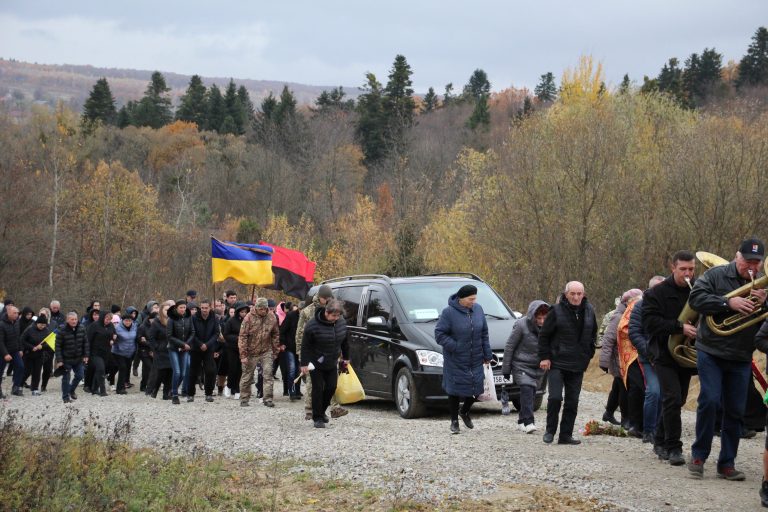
(245, 263)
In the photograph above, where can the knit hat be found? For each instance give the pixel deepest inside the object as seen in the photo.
(191, 293)
(114, 309)
(42, 319)
(325, 292)
(271, 303)
(262, 302)
(466, 291)
(180, 302)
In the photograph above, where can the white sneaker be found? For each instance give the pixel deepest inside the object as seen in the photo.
(522, 427)
(113, 388)
(237, 396)
(227, 392)
(529, 428)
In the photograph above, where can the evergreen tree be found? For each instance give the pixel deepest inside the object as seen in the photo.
(125, 115)
(399, 104)
(430, 101)
(333, 100)
(670, 79)
(477, 86)
(546, 90)
(246, 104)
(100, 105)
(702, 76)
(216, 110)
(481, 115)
(154, 109)
(371, 120)
(193, 106)
(286, 109)
(448, 94)
(753, 68)
(269, 107)
(233, 110)
(625, 85)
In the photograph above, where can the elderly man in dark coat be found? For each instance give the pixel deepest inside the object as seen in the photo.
(463, 333)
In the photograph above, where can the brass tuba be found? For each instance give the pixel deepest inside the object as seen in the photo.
(738, 321)
(681, 348)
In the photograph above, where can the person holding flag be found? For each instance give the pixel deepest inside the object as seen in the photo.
(34, 341)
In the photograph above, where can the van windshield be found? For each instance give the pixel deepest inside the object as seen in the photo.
(424, 301)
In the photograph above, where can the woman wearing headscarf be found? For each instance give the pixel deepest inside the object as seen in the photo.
(463, 333)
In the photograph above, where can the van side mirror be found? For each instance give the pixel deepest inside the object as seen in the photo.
(376, 321)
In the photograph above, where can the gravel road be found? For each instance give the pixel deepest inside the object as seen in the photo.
(420, 459)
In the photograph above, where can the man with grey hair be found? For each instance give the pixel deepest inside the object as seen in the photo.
(325, 339)
(566, 345)
(10, 348)
(57, 318)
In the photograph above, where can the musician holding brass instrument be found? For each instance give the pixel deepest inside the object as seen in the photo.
(662, 306)
(730, 300)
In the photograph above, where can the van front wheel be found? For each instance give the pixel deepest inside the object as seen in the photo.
(407, 400)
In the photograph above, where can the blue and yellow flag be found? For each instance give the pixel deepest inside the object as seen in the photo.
(245, 263)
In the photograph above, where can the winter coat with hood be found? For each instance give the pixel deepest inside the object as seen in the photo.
(231, 329)
(23, 322)
(10, 337)
(179, 329)
(324, 341)
(125, 344)
(463, 334)
(72, 345)
(100, 338)
(33, 337)
(567, 338)
(609, 355)
(206, 332)
(288, 330)
(521, 354)
(259, 335)
(158, 340)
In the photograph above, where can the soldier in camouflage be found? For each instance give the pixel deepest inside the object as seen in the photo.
(259, 342)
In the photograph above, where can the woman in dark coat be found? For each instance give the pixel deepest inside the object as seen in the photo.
(101, 335)
(230, 332)
(158, 340)
(32, 343)
(521, 360)
(463, 333)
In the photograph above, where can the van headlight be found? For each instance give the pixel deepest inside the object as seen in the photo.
(430, 358)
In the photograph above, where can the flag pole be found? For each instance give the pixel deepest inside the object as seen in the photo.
(253, 293)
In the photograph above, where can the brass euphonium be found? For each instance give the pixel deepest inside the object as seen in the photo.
(739, 321)
(682, 349)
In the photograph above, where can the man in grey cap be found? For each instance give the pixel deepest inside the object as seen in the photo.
(724, 362)
(321, 298)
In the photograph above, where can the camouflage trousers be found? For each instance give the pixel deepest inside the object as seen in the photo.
(246, 381)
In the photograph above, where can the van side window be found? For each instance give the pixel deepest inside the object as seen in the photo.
(351, 297)
(378, 305)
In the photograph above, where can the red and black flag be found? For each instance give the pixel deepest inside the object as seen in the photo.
(293, 271)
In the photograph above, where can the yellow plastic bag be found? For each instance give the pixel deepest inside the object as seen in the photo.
(348, 388)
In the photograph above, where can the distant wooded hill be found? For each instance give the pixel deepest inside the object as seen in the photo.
(72, 84)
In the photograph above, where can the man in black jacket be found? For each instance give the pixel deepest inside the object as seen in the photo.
(325, 336)
(205, 343)
(566, 345)
(10, 348)
(71, 354)
(662, 304)
(724, 362)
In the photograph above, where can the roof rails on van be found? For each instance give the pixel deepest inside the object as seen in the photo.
(467, 274)
(360, 276)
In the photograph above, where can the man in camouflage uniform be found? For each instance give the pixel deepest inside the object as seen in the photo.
(259, 342)
(321, 298)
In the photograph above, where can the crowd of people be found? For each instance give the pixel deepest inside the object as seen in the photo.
(221, 347)
(651, 382)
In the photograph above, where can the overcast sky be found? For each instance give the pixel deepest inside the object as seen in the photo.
(333, 42)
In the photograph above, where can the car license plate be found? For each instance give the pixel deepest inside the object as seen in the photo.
(499, 379)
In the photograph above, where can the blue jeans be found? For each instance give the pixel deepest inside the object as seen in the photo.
(67, 387)
(652, 403)
(179, 365)
(18, 369)
(725, 382)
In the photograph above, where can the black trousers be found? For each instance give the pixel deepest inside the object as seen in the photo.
(88, 376)
(234, 369)
(453, 405)
(202, 360)
(635, 395)
(123, 370)
(34, 365)
(48, 357)
(162, 376)
(617, 398)
(146, 369)
(563, 383)
(674, 382)
(98, 368)
(323, 387)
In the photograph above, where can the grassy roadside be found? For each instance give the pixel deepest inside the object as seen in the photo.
(101, 470)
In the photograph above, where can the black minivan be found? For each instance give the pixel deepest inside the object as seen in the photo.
(391, 329)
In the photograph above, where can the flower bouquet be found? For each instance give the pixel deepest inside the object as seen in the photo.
(595, 428)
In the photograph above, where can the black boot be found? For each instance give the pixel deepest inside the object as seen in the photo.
(455, 427)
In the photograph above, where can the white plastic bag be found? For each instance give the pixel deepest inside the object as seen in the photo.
(489, 388)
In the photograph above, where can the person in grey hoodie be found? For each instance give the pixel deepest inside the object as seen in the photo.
(124, 348)
(521, 360)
